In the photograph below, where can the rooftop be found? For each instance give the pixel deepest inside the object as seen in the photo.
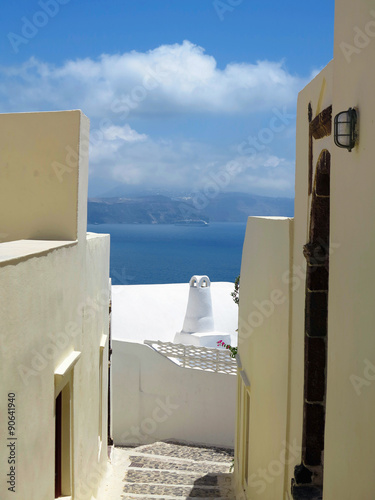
(157, 312)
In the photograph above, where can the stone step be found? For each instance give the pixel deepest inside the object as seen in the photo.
(168, 471)
(172, 478)
(174, 491)
(141, 461)
(188, 452)
(164, 497)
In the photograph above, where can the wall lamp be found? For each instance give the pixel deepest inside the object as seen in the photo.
(345, 129)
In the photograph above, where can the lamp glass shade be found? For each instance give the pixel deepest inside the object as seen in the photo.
(344, 130)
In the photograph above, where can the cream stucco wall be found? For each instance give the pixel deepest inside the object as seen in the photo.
(350, 433)
(155, 399)
(266, 251)
(347, 81)
(263, 340)
(39, 176)
(54, 298)
(50, 307)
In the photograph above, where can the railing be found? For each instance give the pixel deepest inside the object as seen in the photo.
(190, 356)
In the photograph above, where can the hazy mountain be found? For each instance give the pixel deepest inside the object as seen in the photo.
(126, 191)
(159, 209)
(237, 207)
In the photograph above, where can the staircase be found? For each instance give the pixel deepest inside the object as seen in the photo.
(173, 470)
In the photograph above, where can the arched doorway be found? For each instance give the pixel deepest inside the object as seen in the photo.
(308, 478)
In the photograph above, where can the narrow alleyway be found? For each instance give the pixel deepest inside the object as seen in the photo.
(170, 471)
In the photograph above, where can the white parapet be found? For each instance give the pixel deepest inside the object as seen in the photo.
(155, 398)
(209, 339)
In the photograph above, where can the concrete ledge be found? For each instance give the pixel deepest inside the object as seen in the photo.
(12, 252)
(67, 364)
(245, 378)
(209, 339)
(103, 341)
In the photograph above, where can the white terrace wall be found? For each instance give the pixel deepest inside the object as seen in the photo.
(155, 399)
(54, 298)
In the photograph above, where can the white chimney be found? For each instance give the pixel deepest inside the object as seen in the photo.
(198, 328)
(198, 317)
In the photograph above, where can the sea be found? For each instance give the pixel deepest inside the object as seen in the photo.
(165, 253)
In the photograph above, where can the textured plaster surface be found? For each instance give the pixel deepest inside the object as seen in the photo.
(19, 250)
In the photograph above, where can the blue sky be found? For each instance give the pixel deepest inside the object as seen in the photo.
(180, 94)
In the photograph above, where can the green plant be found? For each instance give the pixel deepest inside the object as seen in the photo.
(236, 293)
(233, 350)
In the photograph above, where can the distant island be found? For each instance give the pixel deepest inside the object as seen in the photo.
(160, 209)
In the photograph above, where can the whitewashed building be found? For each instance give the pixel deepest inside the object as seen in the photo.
(54, 312)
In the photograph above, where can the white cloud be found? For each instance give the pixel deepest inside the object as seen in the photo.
(191, 166)
(262, 173)
(155, 163)
(125, 133)
(170, 78)
(272, 161)
(122, 92)
(107, 141)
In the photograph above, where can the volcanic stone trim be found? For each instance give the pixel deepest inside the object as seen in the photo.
(306, 493)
